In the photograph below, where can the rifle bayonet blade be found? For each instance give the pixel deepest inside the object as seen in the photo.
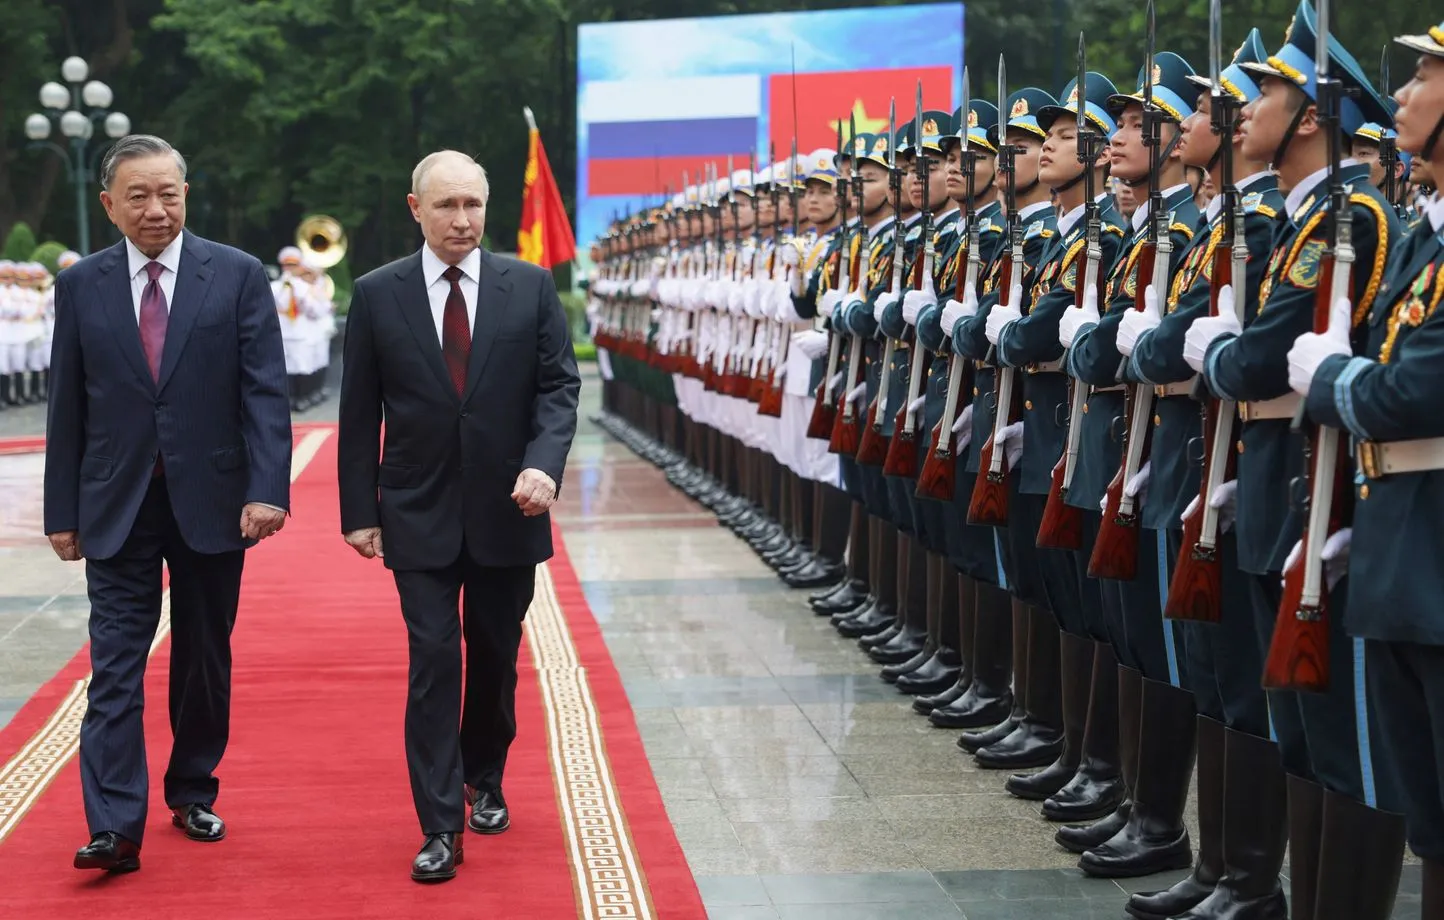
(892, 134)
(1148, 59)
(1384, 80)
(967, 104)
(1002, 98)
(1321, 45)
(1215, 47)
(1081, 91)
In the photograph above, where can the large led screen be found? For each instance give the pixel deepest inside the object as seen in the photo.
(658, 99)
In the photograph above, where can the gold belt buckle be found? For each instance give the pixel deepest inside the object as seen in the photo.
(1370, 459)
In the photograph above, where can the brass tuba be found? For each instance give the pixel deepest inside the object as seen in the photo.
(321, 239)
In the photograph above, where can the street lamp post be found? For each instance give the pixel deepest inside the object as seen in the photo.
(63, 109)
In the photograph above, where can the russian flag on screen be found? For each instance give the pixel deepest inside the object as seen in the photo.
(642, 134)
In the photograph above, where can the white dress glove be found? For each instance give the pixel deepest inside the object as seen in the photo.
(1335, 555)
(828, 303)
(1206, 329)
(1010, 439)
(811, 343)
(1075, 319)
(956, 310)
(1137, 486)
(1223, 500)
(999, 318)
(1311, 348)
(882, 303)
(914, 302)
(963, 429)
(1137, 322)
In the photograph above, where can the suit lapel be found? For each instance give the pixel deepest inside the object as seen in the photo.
(414, 302)
(192, 287)
(119, 306)
(492, 301)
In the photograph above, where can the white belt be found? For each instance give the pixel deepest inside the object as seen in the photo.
(1182, 388)
(1046, 367)
(1283, 407)
(1116, 388)
(1418, 456)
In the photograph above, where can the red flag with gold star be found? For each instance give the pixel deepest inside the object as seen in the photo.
(545, 237)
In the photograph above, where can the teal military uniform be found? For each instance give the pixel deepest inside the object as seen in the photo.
(1390, 396)
(1032, 342)
(1319, 734)
(1223, 660)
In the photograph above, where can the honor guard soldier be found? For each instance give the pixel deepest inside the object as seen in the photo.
(812, 276)
(1344, 851)
(1156, 715)
(871, 158)
(9, 330)
(1240, 781)
(291, 293)
(1386, 402)
(33, 280)
(912, 658)
(1073, 165)
(981, 697)
(995, 452)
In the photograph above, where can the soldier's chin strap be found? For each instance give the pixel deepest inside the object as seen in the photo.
(1427, 152)
(1292, 130)
(1162, 157)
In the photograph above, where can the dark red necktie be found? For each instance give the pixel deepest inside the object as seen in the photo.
(455, 331)
(153, 318)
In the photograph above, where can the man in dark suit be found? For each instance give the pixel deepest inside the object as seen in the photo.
(169, 441)
(468, 356)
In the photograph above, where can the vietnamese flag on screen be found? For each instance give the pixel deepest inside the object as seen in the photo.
(823, 98)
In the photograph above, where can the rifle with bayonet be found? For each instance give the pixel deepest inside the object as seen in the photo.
(824, 406)
(873, 449)
(1196, 591)
(902, 451)
(989, 504)
(777, 349)
(1388, 146)
(939, 476)
(1298, 657)
(1062, 526)
(846, 435)
(1115, 554)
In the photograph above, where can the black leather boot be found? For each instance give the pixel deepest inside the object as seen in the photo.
(989, 698)
(1208, 868)
(949, 655)
(1360, 859)
(1255, 832)
(1155, 838)
(912, 598)
(816, 573)
(1306, 832)
(975, 741)
(1038, 738)
(925, 704)
(1433, 889)
(1096, 790)
(1130, 705)
(1075, 667)
(868, 620)
(943, 665)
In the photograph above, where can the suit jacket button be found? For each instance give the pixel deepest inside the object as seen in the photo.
(1364, 492)
(1240, 446)
(1157, 420)
(463, 413)
(1028, 404)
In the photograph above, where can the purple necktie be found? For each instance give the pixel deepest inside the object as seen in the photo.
(153, 317)
(455, 331)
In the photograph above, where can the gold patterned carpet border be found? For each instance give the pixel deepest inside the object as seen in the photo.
(26, 776)
(606, 869)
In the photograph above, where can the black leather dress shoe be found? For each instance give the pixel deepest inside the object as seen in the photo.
(109, 852)
(199, 823)
(438, 859)
(489, 814)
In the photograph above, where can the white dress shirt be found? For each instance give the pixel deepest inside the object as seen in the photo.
(139, 278)
(437, 287)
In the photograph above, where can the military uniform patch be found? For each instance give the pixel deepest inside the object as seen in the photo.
(1130, 283)
(1304, 272)
(1035, 228)
(1251, 201)
(1070, 277)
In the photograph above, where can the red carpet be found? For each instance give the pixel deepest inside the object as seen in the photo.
(314, 786)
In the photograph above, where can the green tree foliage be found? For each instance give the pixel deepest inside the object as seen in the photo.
(48, 254)
(19, 243)
(290, 107)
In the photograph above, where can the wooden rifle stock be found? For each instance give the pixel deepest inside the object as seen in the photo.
(847, 426)
(1196, 590)
(990, 500)
(824, 408)
(1115, 554)
(902, 450)
(1062, 524)
(1298, 657)
(938, 478)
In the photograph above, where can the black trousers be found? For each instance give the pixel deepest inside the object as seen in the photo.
(1406, 685)
(439, 758)
(125, 607)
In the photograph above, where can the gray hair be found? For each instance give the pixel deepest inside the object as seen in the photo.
(133, 147)
(418, 175)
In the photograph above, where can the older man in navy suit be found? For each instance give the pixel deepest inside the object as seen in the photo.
(169, 442)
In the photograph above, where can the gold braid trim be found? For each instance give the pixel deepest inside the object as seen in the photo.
(1381, 255)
